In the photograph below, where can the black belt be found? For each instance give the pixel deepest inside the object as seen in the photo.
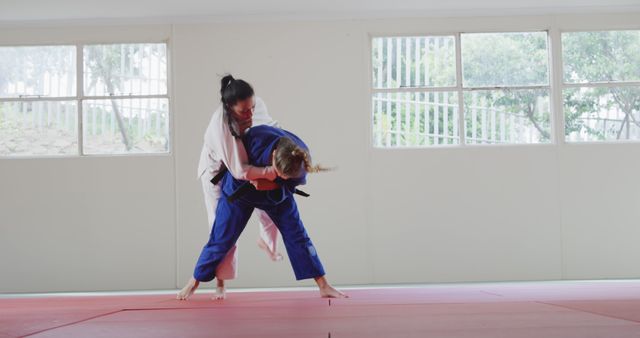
(223, 170)
(244, 188)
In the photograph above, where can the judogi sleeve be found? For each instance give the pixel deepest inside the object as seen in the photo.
(232, 152)
(261, 115)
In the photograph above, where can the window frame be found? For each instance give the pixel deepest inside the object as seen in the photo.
(80, 97)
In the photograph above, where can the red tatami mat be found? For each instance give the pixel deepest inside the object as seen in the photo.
(513, 310)
(622, 309)
(21, 316)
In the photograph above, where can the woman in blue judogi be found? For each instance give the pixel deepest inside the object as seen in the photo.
(266, 146)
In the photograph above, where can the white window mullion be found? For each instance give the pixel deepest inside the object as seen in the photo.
(120, 97)
(378, 102)
(415, 90)
(427, 124)
(555, 93)
(461, 121)
(380, 63)
(399, 105)
(417, 67)
(416, 75)
(436, 118)
(456, 120)
(407, 108)
(407, 67)
(603, 84)
(80, 94)
(416, 116)
(398, 62)
(389, 43)
(427, 62)
(38, 98)
(407, 113)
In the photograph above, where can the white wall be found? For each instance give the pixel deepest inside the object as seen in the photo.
(90, 223)
(385, 216)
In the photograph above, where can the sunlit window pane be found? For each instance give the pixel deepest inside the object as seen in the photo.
(516, 116)
(37, 71)
(125, 126)
(125, 69)
(415, 119)
(38, 128)
(505, 59)
(427, 61)
(601, 56)
(602, 114)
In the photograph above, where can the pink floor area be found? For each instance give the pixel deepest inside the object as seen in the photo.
(608, 309)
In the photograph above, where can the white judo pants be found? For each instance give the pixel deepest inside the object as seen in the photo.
(228, 268)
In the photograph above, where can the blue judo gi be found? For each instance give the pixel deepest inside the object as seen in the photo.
(279, 204)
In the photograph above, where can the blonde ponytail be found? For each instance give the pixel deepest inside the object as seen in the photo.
(291, 158)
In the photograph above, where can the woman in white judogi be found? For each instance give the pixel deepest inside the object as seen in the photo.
(222, 146)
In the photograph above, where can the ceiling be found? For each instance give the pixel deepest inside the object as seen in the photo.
(66, 10)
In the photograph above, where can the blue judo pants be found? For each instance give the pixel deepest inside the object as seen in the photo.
(231, 219)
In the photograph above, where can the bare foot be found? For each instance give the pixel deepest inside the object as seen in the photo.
(221, 291)
(328, 291)
(188, 290)
(274, 256)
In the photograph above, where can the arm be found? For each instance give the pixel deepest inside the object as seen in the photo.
(233, 154)
(290, 184)
(262, 184)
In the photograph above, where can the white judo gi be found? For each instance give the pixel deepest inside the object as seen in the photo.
(220, 146)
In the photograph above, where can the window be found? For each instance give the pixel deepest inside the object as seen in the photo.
(118, 104)
(601, 86)
(499, 89)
